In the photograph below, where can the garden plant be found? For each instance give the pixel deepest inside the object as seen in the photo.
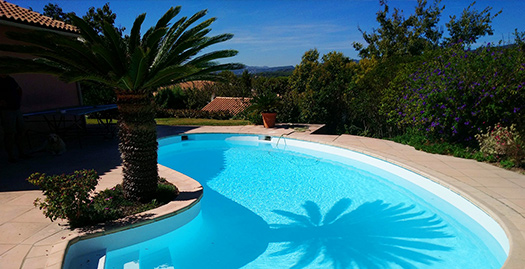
(72, 197)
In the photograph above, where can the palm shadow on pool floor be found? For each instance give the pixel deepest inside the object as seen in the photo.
(374, 235)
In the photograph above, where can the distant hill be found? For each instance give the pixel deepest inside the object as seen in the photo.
(267, 71)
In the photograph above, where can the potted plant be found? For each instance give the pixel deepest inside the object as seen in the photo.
(267, 103)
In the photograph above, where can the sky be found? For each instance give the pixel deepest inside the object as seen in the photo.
(278, 33)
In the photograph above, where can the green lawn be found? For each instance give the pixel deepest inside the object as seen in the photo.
(199, 122)
(196, 122)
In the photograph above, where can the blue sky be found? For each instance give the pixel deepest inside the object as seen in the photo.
(276, 33)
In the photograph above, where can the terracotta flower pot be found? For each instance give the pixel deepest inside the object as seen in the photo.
(269, 119)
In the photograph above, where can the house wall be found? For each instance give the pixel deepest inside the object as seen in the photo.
(40, 92)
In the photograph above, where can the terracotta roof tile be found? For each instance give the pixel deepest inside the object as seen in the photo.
(234, 105)
(14, 13)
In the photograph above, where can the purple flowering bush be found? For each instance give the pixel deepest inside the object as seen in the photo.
(459, 93)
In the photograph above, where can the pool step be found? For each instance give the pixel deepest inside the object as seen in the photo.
(146, 258)
(92, 260)
(102, 262)
(265, 137)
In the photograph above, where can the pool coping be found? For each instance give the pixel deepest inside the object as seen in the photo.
(505, 203)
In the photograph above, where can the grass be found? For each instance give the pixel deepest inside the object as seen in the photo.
(200, 122)
(188, 121)
(421, 142)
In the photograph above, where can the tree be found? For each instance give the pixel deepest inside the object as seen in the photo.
(92, 93)
(302, 72)
(96, 18)
(327, 90)
(399, 36)
(319, 89)
(56, 12)
(134, 67)
(230, 86)
(519, 39)
(470, 26)
(246, 81)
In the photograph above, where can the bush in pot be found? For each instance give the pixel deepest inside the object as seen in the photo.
(266, 103)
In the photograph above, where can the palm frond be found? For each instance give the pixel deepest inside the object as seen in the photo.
(164, 55)
(187, 23)
(167, 43)
(115, 45)
(212, 73)
(167, 17)
(14, 65)
(134, 36)
(162, 22)
(54, 47)
(76, 76)
(154, 39)
(195, 30)
(87, 32)
(138, 68)
(183, 52)
(203, 60)
(194, 18)
(125, 84)
(170, 75)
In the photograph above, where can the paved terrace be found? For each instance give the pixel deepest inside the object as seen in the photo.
(29, 240)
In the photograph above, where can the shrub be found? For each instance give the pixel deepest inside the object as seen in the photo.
(373, 95)
(71, 197)
(97, 94)
(67, 196)
(171, 98)
(193, 114)
(458, 93)
(420, 141)
(502, 142)
(290, 110)
(322, 89)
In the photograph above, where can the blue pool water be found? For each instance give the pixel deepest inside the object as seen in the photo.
(269, 205)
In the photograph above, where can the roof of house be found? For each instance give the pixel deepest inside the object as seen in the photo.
(234, 105)
(13, 13)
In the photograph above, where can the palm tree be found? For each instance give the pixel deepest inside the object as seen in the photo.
(134, 67)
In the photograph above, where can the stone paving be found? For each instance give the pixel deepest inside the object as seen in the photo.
(29, 240)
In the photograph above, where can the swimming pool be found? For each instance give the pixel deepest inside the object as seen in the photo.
(277, 202)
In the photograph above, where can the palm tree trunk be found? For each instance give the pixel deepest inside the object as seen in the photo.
(138, 145)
